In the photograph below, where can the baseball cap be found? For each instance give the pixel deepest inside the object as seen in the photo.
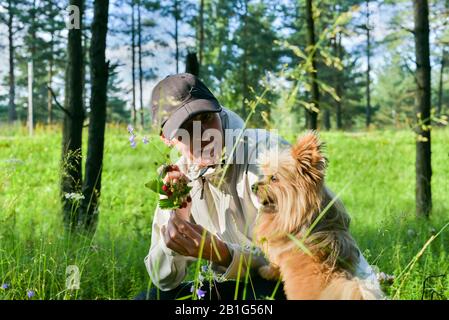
(178, 98)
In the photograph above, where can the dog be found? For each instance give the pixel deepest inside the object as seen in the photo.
(311, 249)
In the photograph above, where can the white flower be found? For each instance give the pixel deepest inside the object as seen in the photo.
(75, 196)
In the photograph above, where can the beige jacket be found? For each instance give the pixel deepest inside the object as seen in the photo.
(229, 212)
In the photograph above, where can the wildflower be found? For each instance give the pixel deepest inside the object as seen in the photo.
(130, 129)
(30, 294)
(5, 286)
(145, 140)
(133, 144)
(199, 292)
(382, 277)
(131, 138)
(75, 196)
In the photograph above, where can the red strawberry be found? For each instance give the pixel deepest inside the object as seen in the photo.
(165, 187)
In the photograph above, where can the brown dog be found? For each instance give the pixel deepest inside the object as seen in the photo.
(322, 262)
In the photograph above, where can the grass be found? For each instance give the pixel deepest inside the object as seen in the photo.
(377, 168)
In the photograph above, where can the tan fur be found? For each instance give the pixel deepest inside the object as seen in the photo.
(293, 195)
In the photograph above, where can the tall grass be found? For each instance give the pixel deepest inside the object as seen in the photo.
(377, 167)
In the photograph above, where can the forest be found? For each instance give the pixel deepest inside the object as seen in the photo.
(370, 76)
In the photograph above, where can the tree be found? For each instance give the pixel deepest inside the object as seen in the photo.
(97, 117)
(368, 65)
(422, 105)
(192, 65)
(200, 35)
(338, 50)
(133, 64)
(443, 13)
(444, 60)
(139, 52)
(315, 94)
(9, 18)
(116, 108)
(53, 53)
(179, 12)
(73, 120)
(252, 52)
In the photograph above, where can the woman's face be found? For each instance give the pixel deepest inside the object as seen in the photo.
(200, 139)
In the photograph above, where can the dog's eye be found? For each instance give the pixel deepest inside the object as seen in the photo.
(274, 179)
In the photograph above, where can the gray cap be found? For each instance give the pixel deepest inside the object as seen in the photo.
(179, 97)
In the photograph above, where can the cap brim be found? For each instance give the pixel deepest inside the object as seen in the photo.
(187, 111)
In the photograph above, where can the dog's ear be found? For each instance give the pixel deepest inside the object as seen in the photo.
(308, 152)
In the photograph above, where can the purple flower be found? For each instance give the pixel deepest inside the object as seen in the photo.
(145, 140)
(200, 293)
(5, 286)
(133, 144)
(30, 294)
(130, 129)
(131, 138)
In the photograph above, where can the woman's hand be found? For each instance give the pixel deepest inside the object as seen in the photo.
(185, 238)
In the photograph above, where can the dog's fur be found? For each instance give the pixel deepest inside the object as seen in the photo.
(293, 195)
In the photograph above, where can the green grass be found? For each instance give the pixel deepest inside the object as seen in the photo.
(377, 167)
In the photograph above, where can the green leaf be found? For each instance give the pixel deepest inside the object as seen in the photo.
(155, 185)
(167, 204)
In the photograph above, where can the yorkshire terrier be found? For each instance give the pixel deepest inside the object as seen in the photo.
(304, 231)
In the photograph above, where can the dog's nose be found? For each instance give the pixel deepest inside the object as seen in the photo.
(254, 187)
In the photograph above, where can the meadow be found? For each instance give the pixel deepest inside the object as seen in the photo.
(374, 170)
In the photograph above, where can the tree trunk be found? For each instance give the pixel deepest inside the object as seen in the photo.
(423, 102)
(368, 69)
(50, 76)
(327, 119)
(139, 39)
(192, 65)
(97, 118)
(312, 114)
(338, 89)
(176, 15)
(441, 83)
(133, 64)
(201, 36)
(73, 122)
(32, 52)
(245, 88)
(12, 114)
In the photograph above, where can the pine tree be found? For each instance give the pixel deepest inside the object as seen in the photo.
(423, 100)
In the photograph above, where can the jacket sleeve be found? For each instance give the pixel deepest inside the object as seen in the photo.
(167, 268)
(244, 257)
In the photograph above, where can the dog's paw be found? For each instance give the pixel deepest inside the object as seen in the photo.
(269, 272)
